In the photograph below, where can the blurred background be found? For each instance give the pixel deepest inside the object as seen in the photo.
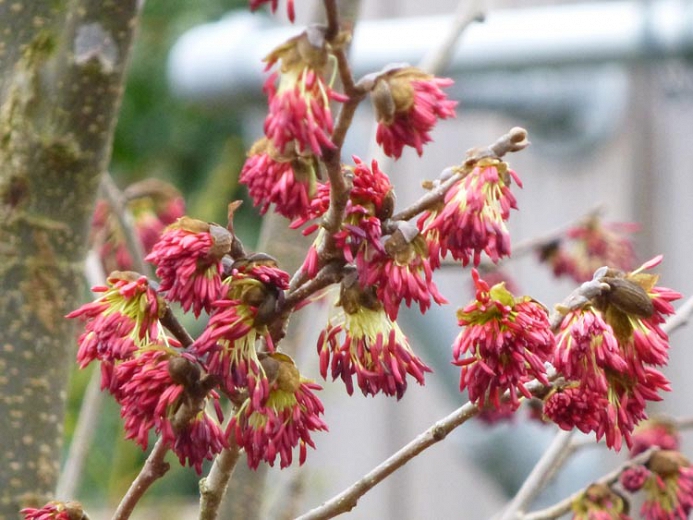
(605, 90)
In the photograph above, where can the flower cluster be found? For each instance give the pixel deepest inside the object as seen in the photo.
(408, 103)
(287, 180)
(283, 421)
(503, 345)
(666, 482)
(151, 393)
(608, 350)
(153, 204)
(590, 245)
(123, 332)
(599, 502)
(400, 271)
(658, 432)
(397, 265)
(236, 327)
(363, 341)
(282, 168)
(472, 217)
(123, 319)
(188, 262)
(55, 511)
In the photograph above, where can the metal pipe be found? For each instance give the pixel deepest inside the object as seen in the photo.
(216, 62)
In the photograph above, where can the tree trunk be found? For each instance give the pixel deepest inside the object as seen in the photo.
(62, 66)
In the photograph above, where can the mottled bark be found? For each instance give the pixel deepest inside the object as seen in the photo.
(62, 65)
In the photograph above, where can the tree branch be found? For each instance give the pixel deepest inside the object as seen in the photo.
(514, 141)
(154, 468)
(549, 463)
(119, 207)
(564, 506)
(347, 499)
(468, 12)
(213, 487)
(175, 327)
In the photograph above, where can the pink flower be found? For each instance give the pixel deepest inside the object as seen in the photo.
(228, 341)
(408, 103)
(107, 237)
(299, 119)
(154, 204)
(147, 394)
(287, 418)
(55, 511)
(633, 479)
(235, 327)
(491, 416)
(590, 245)
(585, 348)
(188, 262)
(124, 318)
(402, 272)
(370, 200)
(365, 342)
(669, 489)
(473, 216)
(607, 350)
(575, 407)
(506, 340)
(150, 398)
(655, 432)
(599, 502)
(288, 182)
(255, 4)
(200, 439)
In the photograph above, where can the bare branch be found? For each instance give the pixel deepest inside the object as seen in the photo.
(119, 207)
(558, 451)
(347, 499)
(154, 468)
(170, 321)
(513, 141)
(213, 487)
(563, 507)
(681, 318)
(468, 12)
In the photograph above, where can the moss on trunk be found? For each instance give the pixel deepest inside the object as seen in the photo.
(62, 66)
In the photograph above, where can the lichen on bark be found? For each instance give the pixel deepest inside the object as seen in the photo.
(62, 66)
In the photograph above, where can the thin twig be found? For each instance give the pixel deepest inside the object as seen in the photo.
(681, 318)
(69, 479)
(154, 468)
(437, 59)
(213, 487)
(331, 273)
(564, 506)
(541, 473)
(332, 15)
(514, 141)
(347, 499)
(169, 320)
(82, 438)
(118, 205)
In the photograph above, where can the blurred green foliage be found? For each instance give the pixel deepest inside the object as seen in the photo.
(160, 136)
(201, 153)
